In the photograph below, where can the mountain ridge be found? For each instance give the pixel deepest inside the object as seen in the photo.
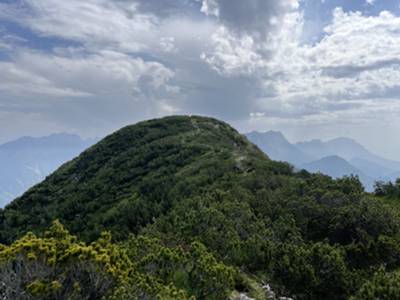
(169, 135)
(348, 149)
(199, 208)
(278, 147)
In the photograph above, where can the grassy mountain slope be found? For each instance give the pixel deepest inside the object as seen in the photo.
(183, 182)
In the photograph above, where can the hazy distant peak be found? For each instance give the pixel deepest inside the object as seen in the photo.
(277, 147)
(269, 132)
(272, 135)
(343, 141)
(333, 161)
(332, 165)
(314, 142)
(52, 140)
(63, 135)
(333, 158)
(275, 133)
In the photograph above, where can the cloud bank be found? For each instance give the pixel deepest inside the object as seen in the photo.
(92, 66)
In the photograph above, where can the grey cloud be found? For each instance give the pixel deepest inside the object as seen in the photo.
(354, 70)
(252, 17)
(167, 8)
(229, 99)
(385, 93)
(142, 58)
(204, 91)
(297, 108)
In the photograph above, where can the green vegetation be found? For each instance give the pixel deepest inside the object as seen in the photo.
(195, 210)
(58, 266)
(388, 189)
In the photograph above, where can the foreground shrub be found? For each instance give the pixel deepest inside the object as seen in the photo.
(383, 286)
(57, 266)
(193, 269)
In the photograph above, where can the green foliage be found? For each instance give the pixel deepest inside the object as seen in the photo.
(222, 222)
(194, 269)
(388, 189)
(207, 211)
(57, 266)
(316, 271)
(382, 286)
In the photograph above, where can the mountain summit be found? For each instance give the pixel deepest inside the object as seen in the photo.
(146, 167)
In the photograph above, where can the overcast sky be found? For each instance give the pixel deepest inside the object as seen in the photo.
(311, 68)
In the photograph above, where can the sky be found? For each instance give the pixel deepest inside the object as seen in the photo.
(309, 68)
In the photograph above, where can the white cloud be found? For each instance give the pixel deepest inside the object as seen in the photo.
(16, 80)
(81, 74)
(149, 58)
(100, 63)
(349, 79)
(210, 8)
(30, 123)
(248, 54)
(86, 93)
(356, 60)
(168, 44)
(256, 18)
(232, 55)
(95, 23)
(249, 33)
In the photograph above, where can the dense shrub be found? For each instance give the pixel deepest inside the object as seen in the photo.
(194, 208)
(382, 286)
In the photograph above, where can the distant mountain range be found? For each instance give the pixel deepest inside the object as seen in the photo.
(28, 160)
(277, 147)
(336, 158)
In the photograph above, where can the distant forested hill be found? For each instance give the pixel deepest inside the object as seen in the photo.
(196, 210)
